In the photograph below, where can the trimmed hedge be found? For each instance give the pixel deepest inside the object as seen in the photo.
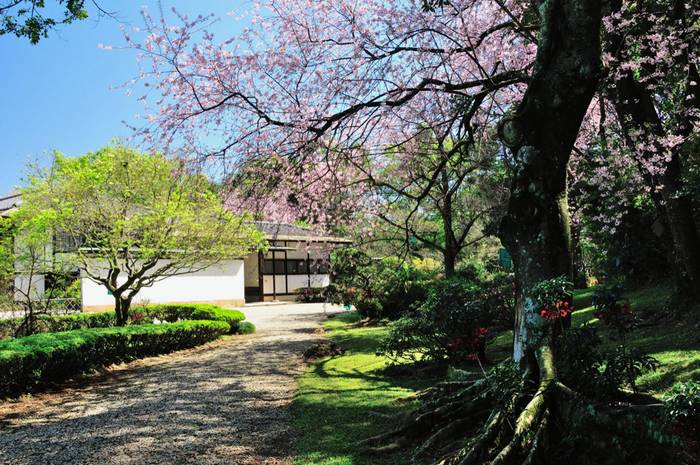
(176, 312)
(164, 312)
(31, 362)
(58, 323)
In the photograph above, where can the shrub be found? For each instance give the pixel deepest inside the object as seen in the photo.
(178, 312)
(30, 362)
(138, 315)
(450, 325)
(245, 327)
(554, 297)
(385, 288)
(683, 403)
(586, 368)
(613, 311)
(498, 298)
(10, 327)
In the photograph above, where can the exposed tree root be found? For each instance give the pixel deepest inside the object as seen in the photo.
(459, 423)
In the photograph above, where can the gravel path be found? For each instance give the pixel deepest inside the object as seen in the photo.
(223, 403)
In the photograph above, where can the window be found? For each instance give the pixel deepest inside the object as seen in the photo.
(302, 267)
(295, 266)
(267, 266)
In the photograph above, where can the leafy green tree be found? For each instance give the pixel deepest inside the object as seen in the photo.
(130, 219)
(27, 262)
(29, 18)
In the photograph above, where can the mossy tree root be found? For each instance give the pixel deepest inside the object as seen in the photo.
(461, 425)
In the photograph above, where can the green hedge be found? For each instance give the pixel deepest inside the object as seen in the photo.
(30, 362)
(164, 312)
(58, 323)
(176, 312)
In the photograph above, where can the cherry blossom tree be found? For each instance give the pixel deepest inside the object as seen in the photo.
(322, 81)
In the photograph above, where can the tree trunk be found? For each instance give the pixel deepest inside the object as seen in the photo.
(541, 134)
(121, 309)
(449, 260)
(451, 248)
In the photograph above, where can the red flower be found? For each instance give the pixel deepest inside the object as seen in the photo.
(561, 309)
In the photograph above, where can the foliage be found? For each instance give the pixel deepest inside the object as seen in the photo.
(27, 18)
(11, 327)
(245, 327)
(506, 381)
(554, 297)
(585, 366)
(613, 311)
(133, 219)
(383, 288)
(171, 313)
(177, 312)
(33, 361)
(682, 403)
(498, 298)
(35, 277)
(450, 325)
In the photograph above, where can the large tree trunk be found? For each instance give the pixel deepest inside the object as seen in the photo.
(541, 134)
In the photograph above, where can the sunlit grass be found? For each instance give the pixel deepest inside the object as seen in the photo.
(342, 400)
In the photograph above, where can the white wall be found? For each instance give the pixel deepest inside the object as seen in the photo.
(220, 282)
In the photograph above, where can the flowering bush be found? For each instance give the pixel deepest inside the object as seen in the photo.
(554, 298)
(450, 326)
(498, 298)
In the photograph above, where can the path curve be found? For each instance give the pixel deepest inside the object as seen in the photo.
(224, 403)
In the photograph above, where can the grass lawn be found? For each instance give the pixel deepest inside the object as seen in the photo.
(342, 400)
(673, 342)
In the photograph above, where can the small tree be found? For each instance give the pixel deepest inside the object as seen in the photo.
(134, 219)
(26, 261)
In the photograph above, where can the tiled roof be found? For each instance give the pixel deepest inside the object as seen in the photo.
(285, 231)
(9, 201)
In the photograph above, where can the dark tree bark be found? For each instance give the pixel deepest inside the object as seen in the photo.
(451, 249)
(541, 134)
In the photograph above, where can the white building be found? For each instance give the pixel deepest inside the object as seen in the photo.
(297, 258)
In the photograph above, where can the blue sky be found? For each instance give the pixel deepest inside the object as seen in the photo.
(60, 94)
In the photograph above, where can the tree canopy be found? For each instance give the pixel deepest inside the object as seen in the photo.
(130, 219)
